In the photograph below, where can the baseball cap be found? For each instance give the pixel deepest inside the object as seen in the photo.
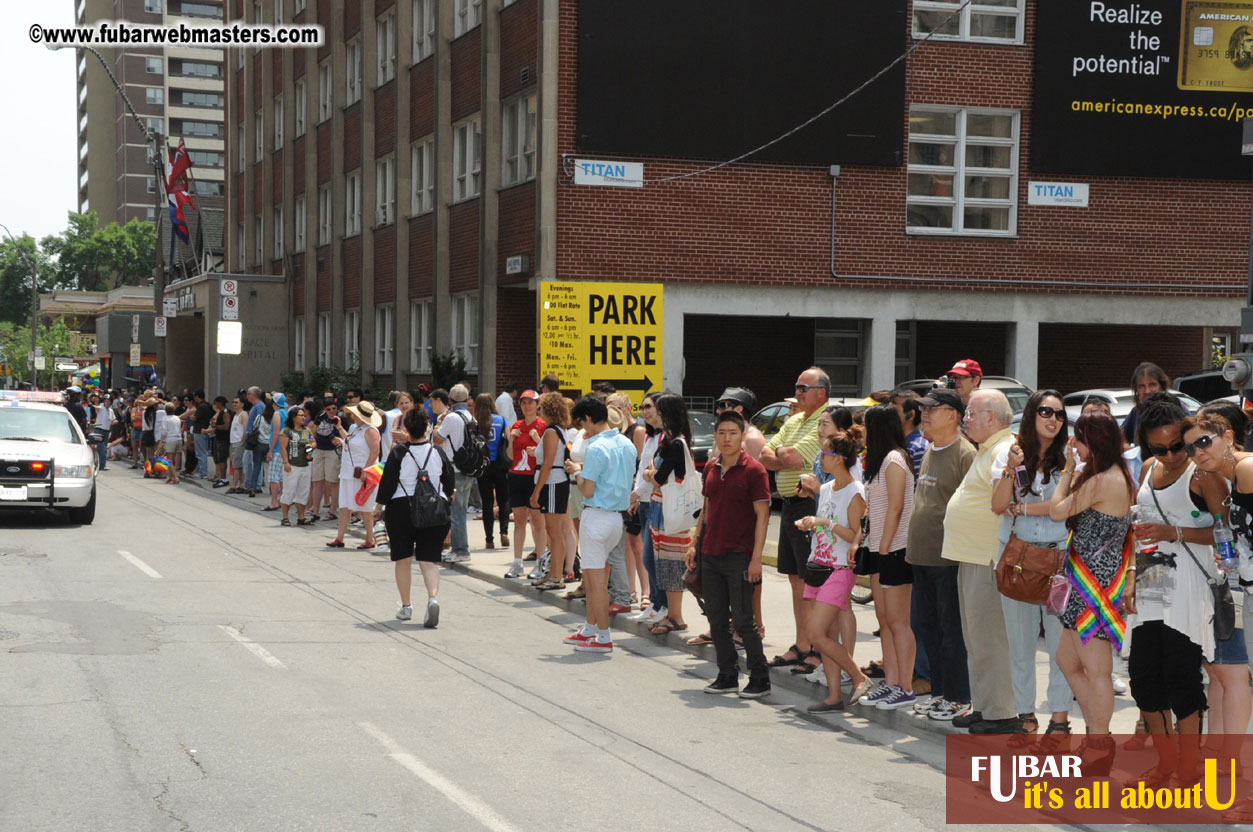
(74, 389)
(529, 394)
(966, 367)
(942, 396)
(458, 393)
(739, 395)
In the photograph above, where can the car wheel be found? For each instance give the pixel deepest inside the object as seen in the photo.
(85, 515)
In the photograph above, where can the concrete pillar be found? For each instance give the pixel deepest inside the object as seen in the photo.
(673, 367)
(1022, 352)
(404, 207)
(546, 157)
(489, 203)
(442, 314)
(882, 355)
(369, 85)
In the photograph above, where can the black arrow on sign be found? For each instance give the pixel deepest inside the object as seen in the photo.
(645, 384)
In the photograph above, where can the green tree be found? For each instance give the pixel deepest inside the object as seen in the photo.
(16, 259)
(55, 338)
(91, 258)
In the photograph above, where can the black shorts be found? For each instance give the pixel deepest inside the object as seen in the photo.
(554, 498)
(891, 568)
(221, 450)
(407, 542)
(521, 487)
(793, 543)
(148, 439)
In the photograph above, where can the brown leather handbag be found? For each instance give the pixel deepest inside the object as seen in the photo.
(1025, 571)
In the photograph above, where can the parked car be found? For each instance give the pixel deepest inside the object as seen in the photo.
(1121, 401)
(771, 417)
(45, 460)
(1014, 390)
(702, 424)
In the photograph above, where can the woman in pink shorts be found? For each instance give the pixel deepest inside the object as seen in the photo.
(833, 532)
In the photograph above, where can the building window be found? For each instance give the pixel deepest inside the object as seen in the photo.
(299, 217)
(279, 251)
(384, 338)
(152, 214)
(258, 124)
(201, 99)
(154, 66)
(324, 215)
(352, 73)
(278, 12)
(301, 107)
(992, 21)
(839, 349)
(298, 6)
(198, 70)
(324, 90)
(324, 340)
(422, 181)
(352, 204)
(258, 250)
(518, 140)
(298, 344)
(203, 187)
(206, 129)
(352, 338)
(385, 192)
(465, 330)
(152, 184)
(155, 125)
(243, 147)
(152, 6)
(469, 15)
(385, 27)
(240, 257)
(207, 158)
(278, 122)
(963, 171)
(423, 29)
(466, 153)
(154, 95)
(420, 336)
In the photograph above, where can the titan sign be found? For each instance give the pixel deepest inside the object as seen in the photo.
(1147, 88)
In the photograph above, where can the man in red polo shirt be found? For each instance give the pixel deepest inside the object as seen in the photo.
(731, 533)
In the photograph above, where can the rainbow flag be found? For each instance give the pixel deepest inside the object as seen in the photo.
(161, 464)
(1101, 611)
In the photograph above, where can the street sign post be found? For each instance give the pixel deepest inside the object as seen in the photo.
(230, 287)
(40, 362)
(593, 332)
(158, 326)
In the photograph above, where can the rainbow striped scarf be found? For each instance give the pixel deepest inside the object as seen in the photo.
(1101, 610)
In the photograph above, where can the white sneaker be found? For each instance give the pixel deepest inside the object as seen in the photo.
(881, 691)
(515, 571)
(404, 613)
(1119, 685)
(818, 676)
(432, 614)
(923, 706)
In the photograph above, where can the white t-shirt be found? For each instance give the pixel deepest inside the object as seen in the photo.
(453, 429)
(504, 406)
(104, 418)
(826, 547)
(385, 436)
(429, 458)
(239, 426)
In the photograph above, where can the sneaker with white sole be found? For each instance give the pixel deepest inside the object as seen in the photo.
(924, 704)
(818, 675)
(1120, 686)
(404, 613)
(577, 638)
(536, 573)
(898, 698)
(880, 692)
(515, 571)
(432, 614)
(945, 710)
(594, 646)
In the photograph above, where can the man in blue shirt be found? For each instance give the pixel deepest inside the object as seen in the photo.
(605, 479)
(256, 457)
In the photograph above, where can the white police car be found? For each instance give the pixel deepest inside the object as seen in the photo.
(45, 460)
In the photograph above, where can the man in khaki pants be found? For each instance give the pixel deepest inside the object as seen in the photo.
(971, 540)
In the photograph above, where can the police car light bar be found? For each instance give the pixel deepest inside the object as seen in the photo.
(42, 396)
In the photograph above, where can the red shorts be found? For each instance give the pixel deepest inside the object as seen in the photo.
(835, 591)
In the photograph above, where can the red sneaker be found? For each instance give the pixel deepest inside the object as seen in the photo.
(614, 609)
(576, 638)
(594, 646)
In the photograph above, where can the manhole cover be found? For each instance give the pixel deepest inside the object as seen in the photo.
(5, 634)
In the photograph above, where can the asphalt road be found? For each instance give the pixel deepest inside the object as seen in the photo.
(184, 664)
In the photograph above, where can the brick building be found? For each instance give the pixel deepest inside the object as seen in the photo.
(420, 187)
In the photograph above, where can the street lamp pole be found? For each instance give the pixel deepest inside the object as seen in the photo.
(34, 302)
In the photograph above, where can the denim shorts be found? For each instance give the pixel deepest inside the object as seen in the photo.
(1233, 650)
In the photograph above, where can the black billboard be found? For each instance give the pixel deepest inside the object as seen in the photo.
(1147, 88)
(711, 79)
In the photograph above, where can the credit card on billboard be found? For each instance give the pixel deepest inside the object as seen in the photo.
(1216, 46)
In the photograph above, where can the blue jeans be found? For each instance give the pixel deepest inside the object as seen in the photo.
(939, 615)
(102, 451)
(460, 503)
(202, 454)
(258, 466)
(922, 667)
(657, 598)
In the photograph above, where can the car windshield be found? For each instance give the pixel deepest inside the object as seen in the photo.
(702, 427)
(32, 425)
(1017, 398)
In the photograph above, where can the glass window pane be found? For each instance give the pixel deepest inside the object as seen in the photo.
(829, 346)
(987, 219)
(987, 187)
(991, 125)
(931, 153)
(988, 156)
(926, 184)
(932, 122)
(927, 22)
(844, 375)
(929, 216)
(1002, 27)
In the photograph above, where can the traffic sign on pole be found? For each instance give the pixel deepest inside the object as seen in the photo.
(158, 326)
(169, 307)
(134, 356)
(230, 287)
(230, 308)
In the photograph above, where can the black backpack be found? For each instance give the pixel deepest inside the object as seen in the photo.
(472, 457)
(427, 507)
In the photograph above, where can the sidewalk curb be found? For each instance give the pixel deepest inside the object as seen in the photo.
(903, 720)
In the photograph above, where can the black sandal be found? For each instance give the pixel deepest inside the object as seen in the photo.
(1030, 726)
(1055, 738)
(803, 666)
(784, 661)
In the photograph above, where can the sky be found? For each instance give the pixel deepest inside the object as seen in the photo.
(39, 140)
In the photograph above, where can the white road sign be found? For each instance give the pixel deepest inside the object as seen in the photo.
(230, 287)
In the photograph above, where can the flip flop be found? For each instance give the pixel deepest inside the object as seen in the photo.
(703, 638)
(366, 546)
(575, 594)
(667, 625)
(286, 522)
(336, 544)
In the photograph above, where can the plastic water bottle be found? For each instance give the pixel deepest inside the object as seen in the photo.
(1224, 544)
(1145, 514)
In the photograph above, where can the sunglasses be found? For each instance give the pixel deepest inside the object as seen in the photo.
(1162, 450)
(646, 407)
(805, 388)
(1046, 412)
(822, 454)
(1203, 443)
(726, 405)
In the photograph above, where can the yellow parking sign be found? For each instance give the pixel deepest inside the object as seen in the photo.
(599, 331)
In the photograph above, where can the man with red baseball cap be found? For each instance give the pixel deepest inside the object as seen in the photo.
(966, 375)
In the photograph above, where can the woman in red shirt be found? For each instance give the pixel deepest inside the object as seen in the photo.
(524, 435)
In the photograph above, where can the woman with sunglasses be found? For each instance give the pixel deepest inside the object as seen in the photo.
(669, 546)
(1030, 470)
(654, 609)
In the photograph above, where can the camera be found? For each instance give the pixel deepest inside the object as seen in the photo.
(945, 383)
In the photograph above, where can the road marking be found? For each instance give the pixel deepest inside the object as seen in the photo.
(253, 648)
(139, 564)
(467, 802)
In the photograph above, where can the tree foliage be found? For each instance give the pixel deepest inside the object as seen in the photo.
(55, 338)
(16, 260)
(91, 258)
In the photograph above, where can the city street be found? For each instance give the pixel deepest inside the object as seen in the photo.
(185, 664)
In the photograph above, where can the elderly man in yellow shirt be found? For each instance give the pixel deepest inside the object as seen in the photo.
(971, 541)
(790, 453)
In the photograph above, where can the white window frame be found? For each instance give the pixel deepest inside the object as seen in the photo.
(258, 129)
(965, 19)
(385, 191)
(467, 159)
(422, 176)
(352, 336)
(324, 214)
(279, 250)
(153, 6)
(465, 329)
(298, 343)
(258, 245)
(468, 14)
(278, 12)
(324, 340)
(420, 342)
(352, 72)
(151, 184)
(155, 96)
(385, 32)
(278, 122)
(326, 85)
(302, 107)
(384, 338)
(300, 216)
(518, 131)
(160, 70)
(352, 204)
(298, 6)
(258, 19)
(241, 247)
(423, 29)
(960, 171)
